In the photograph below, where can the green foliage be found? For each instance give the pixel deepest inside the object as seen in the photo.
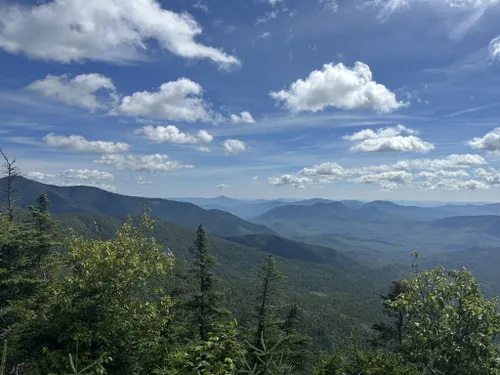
(357, 362)
(204, 305)
(220, 354)
(277, 347)
(449, 325)
(102, 301)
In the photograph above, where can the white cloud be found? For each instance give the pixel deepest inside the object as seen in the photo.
(242, 118)
(78, 143)
(222, 186)
(111, 31)
(41, 177)
(388, 7)
(379, 133)
(274, 2)
(141, 163)
(387, 180)
(388, 140)
(204, 149)
(200, 4)
(490, 176)
(443, 173)
(392, 176)
(177, 100)
(451, 161)
(340, 87)
(494, 48)
(454, 184)
(84, 91)
(289, 179)
(255, 178)
(140, 180)
(490, 142)
(394, 144)
(72, 177)
(172, 134)
(234, 146)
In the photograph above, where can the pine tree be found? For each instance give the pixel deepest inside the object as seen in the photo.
(389, 335)
(265, 353)
(11, 172)
(270, 277)
(205, 304)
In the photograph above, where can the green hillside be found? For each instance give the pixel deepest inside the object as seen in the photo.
(337, 297)
(84, 199)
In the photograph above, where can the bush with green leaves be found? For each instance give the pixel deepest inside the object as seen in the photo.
(102, 304)
(449, 326)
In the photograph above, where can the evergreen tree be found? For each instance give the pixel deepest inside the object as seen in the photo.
(11, 172)
(205, 303)
(266, 323)
(389, 335)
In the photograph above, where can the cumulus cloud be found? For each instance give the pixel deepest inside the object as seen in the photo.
(274, 2)
(389, 177)
(110, 31)
(454, 184)
(78, 143)
(451, 161)
(388, 139)
(494, 48)
(222, 186)
(172, 134)
(387, 180)
(388, 132)
(290, 179)
(340, 87)
(234, 146)
(141, 163)
(179, 100)
(444, 173)
(89, 91)
(140, 180)
(489, 176)
(490, 142)
(72, 177)
(255, 178)
(242, 118)
(394, 144)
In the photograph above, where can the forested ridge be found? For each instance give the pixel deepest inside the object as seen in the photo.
(90, 294)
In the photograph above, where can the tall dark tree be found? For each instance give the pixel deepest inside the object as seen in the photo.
(266, 354)
(270, 277)
(389, 334)
(10, 172)
(205, 303)
(40, 213)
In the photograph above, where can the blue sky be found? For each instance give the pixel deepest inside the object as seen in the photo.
(385, 99)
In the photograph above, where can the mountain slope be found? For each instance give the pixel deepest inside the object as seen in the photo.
(409, 212)
(84, 199)
(292, 249)
(336, 298)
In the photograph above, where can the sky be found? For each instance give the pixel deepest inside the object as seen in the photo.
(358, 99)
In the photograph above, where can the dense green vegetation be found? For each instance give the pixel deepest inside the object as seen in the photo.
(86, 293)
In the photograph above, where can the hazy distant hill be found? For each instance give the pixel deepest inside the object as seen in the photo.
(410, 212)
(370, 233)
(81, 199)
